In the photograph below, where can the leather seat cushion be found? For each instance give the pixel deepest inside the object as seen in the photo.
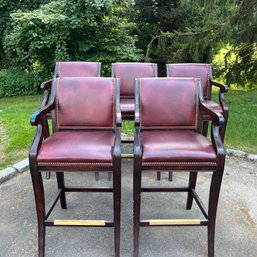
(176, 146)
(77, 147)
(216, 107)
(127, 106)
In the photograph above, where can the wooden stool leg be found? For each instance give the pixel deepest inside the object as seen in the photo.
(137, 203)
(109, 176)
(117, 207)
(48, 175)
(61, 185)
(158, 175)
(40, 207)
(191, 185)
(205, 128)
(212, 211)
(170, 175)
(96, 175)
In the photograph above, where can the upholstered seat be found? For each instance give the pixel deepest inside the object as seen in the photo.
(216, 107)
(127, 106)
(163, 147)
(73, 147)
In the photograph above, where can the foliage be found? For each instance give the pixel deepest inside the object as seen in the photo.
(69, 30)
(199, 30)
(15, 81)
(6, 7)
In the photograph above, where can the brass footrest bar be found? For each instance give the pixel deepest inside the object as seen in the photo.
(173, 222)
(80, 223)
(127, 155)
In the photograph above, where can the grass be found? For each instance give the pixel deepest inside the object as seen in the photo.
(16, 134)
(15, 130)
(242, 124)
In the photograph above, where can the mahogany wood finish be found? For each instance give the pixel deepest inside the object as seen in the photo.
(99, 147)
(204, 72)
(174, 142)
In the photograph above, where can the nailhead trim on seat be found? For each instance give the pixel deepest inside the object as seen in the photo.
(179, 163)
(74, 163)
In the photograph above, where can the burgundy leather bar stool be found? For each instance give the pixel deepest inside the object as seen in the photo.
(70, 69)
(86, 138)
(168, 137)
(128, 72)
(204, 72)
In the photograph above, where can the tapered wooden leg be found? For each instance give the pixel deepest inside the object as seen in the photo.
(96, 175)
(170, 175)
(158, 175)
(40, 207)
(61, 185)
(117, 206)
(212, 211)
(191, 185)
(109, 176)
(205, 128)
(137, 203)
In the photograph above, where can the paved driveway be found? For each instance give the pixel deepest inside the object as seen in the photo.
(236, 231)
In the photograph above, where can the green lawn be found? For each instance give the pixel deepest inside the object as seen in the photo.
(16, 134)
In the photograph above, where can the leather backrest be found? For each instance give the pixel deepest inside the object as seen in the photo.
(169, 103)
(192, 70)
(128, 72)
(78, 69)
(85, 102)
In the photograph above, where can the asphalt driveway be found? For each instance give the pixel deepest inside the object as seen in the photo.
(236, 230)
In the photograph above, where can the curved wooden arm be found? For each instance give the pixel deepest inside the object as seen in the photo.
(217, 142)
(116, 150)
(37, 116)
(216, 117)
(36, 144)
(223, 88)
(46, 85)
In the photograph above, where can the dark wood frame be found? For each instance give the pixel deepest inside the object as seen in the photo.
(217, 173)
(39, 120)
(222, 90)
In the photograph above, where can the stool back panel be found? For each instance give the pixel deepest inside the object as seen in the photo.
(128, 72)
(169, 102)
(78, 69)
(192, 70)
(85, 102)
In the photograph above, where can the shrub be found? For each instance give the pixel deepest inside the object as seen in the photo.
(14, 81)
